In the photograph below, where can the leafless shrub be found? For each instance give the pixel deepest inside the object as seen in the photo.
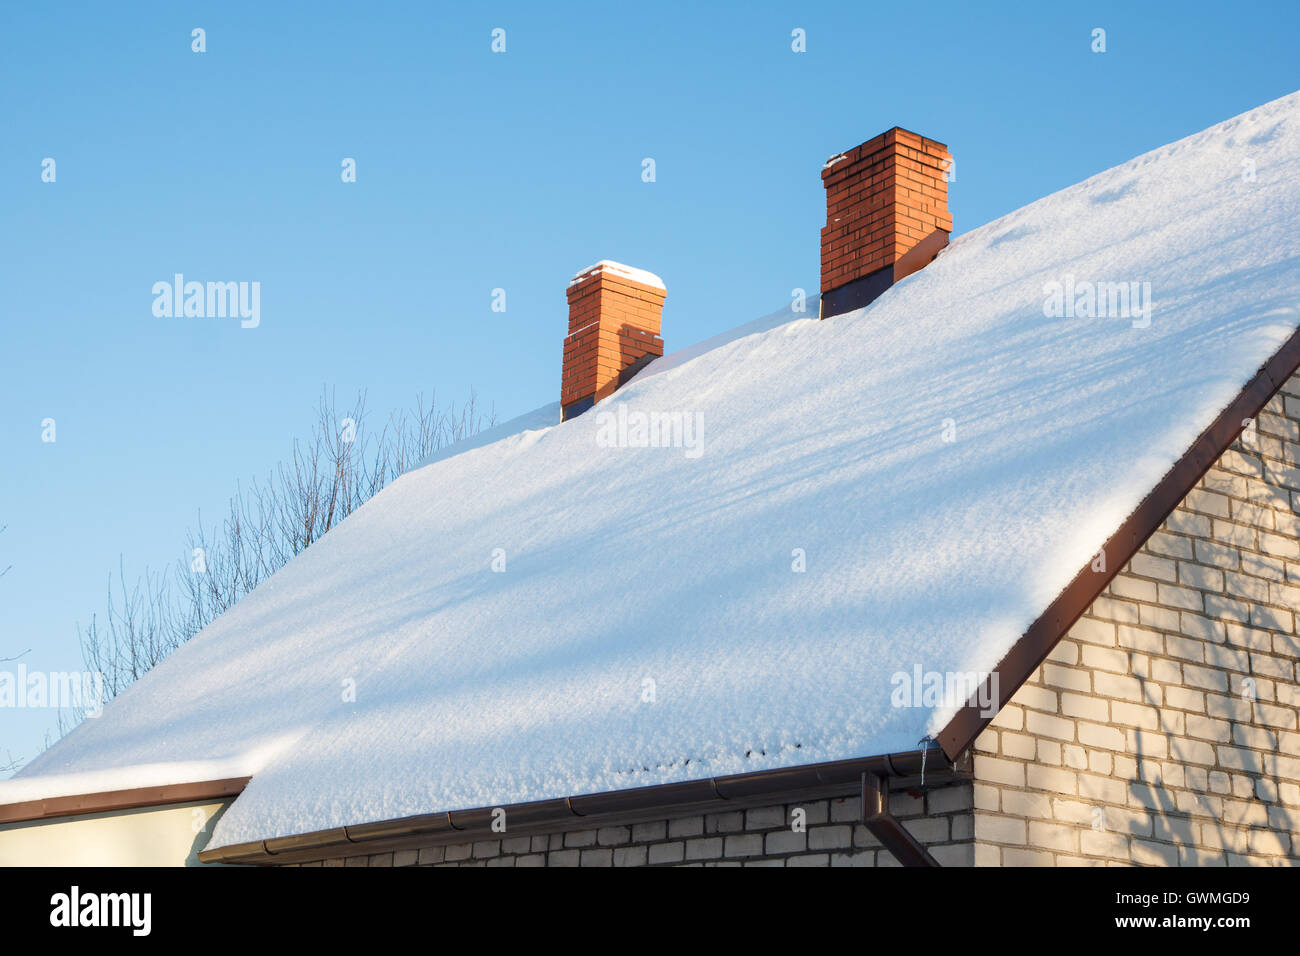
(327, 476)
(138, 630)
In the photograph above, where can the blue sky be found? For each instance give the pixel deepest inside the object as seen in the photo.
(475, 171)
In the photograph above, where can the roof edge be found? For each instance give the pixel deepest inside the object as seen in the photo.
(110, 800)
(1032, 648)
(581, 811)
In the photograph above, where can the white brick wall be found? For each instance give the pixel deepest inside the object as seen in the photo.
(762, 836)
(1163, 728)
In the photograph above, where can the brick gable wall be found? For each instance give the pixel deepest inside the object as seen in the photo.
(1163, 729)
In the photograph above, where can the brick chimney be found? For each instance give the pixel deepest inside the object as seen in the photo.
(614, 321)
(886, 216)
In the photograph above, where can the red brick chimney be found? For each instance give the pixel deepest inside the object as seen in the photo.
(614, 321)
(886, 216)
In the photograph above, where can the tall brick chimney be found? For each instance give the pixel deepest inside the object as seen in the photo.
(886, 216)
(614, 321)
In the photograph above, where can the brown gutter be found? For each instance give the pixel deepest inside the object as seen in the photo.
(1044, 634)
(112, 800)
(615, 807)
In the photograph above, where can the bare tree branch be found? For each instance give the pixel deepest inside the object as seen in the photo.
(327, 476)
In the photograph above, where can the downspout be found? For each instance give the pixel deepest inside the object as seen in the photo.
(887, 828)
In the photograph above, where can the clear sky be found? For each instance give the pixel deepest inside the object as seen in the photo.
(475, 170)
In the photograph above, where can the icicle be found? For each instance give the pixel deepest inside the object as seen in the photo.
(924, 741)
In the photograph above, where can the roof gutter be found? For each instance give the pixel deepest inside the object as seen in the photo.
(1046, 632)
(588, 810)
(108, 801)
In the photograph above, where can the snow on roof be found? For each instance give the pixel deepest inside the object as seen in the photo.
(629, 272)
(647, 623)
(543, 417)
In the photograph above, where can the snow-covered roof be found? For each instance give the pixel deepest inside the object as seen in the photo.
(940, 464)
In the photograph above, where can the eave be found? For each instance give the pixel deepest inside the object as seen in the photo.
(111, 801)
(610, 808)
